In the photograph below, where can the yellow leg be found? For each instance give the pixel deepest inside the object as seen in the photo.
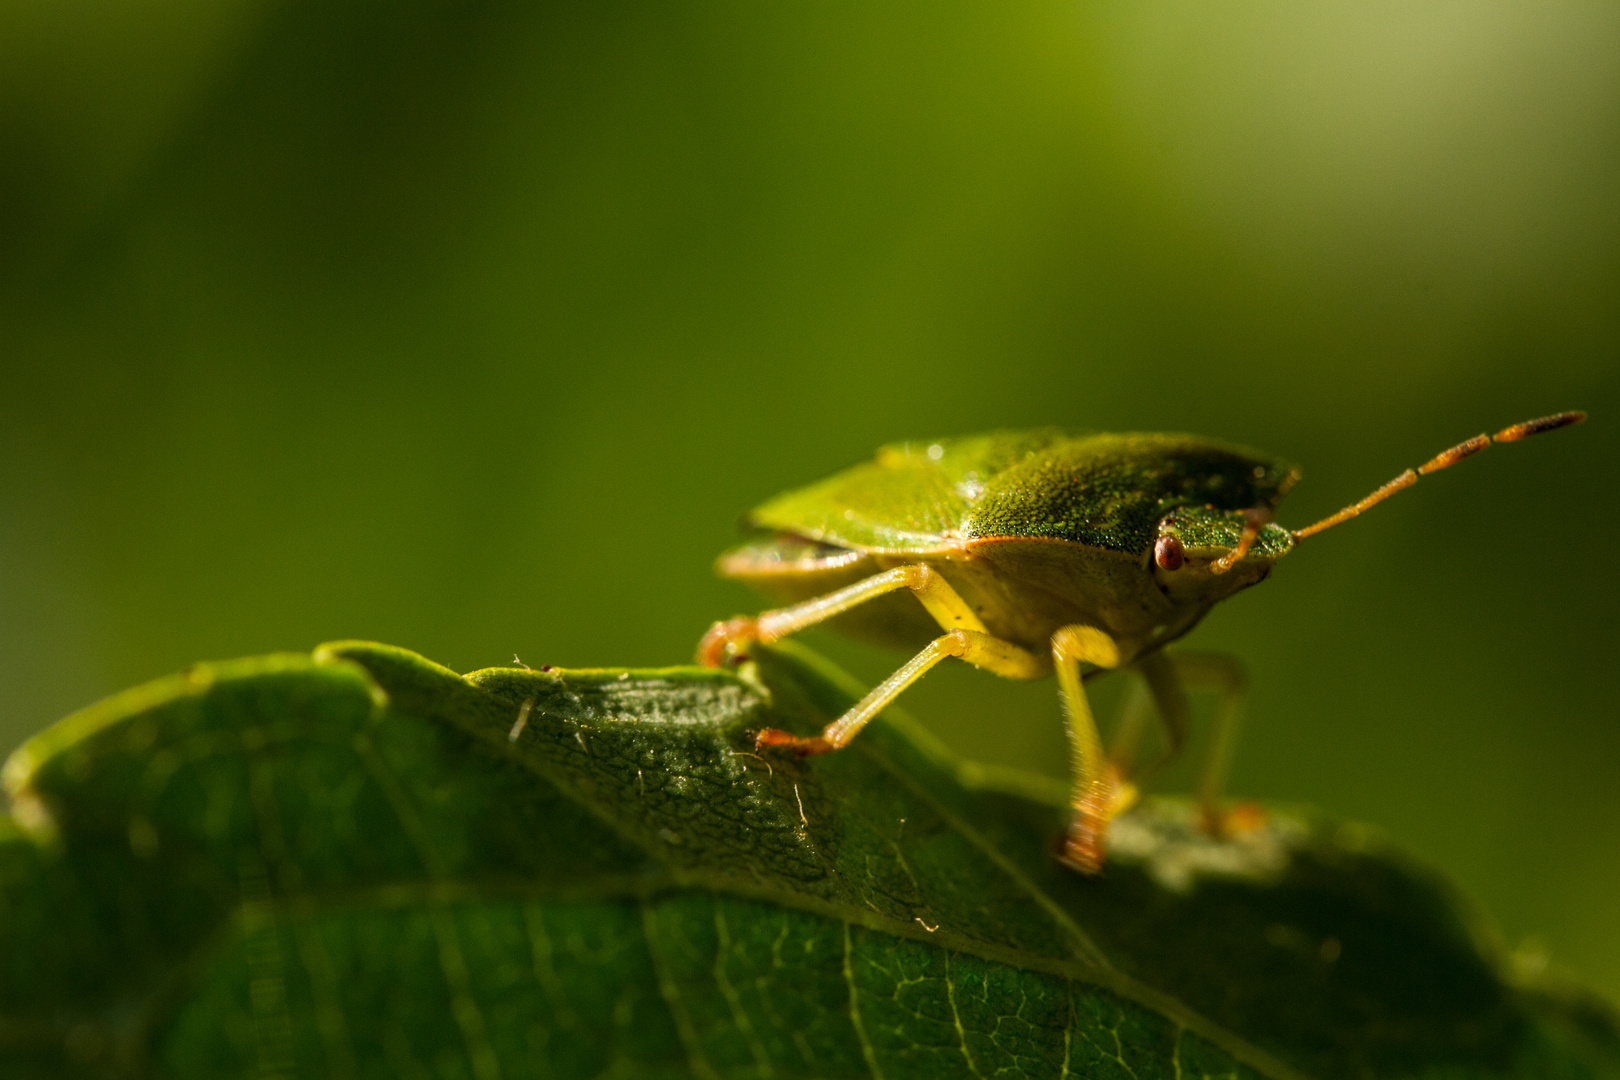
(975, 646)
(1093, 795)
(1224, 675)
(1166, 678)
(966, 638)
(1163, 687)
(727, 639)
(1133, 721)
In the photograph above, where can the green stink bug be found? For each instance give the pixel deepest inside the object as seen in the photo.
(1035, 551)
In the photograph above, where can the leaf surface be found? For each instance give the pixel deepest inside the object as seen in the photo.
(358, 863)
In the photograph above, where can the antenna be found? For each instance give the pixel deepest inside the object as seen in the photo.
(1443, 461)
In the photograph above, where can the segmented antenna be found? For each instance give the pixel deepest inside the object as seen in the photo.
(1253, 522)
(1443, 460)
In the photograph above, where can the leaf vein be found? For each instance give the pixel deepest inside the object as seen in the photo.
(469, 1017)
(956, 1018)
(867, 1050)
(696, 1060)
(330, 1020)
(452, 961)
(739, 1015)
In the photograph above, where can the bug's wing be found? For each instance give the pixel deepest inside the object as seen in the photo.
(911, 498)
(876, 506)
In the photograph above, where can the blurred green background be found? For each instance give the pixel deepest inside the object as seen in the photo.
(472, 328)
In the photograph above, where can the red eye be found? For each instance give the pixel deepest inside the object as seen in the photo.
(1169, 553)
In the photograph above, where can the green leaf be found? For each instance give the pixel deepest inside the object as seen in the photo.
(361, 864)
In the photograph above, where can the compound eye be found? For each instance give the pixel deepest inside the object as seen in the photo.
(1168, 553)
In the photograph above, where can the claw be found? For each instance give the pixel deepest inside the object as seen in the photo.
(771, 738)
(1087, 841)
(725, 641)
(1242, 818)
(1086, 844)
(1083, 848)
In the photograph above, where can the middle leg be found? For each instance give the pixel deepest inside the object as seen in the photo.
(975, 646)
(1166, 677)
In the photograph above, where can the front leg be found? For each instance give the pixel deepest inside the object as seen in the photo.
(1093, 791)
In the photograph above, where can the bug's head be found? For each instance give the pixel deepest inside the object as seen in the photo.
(1192, 556)
(1202, 554)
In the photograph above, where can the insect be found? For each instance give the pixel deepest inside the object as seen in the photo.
(1029, 552)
